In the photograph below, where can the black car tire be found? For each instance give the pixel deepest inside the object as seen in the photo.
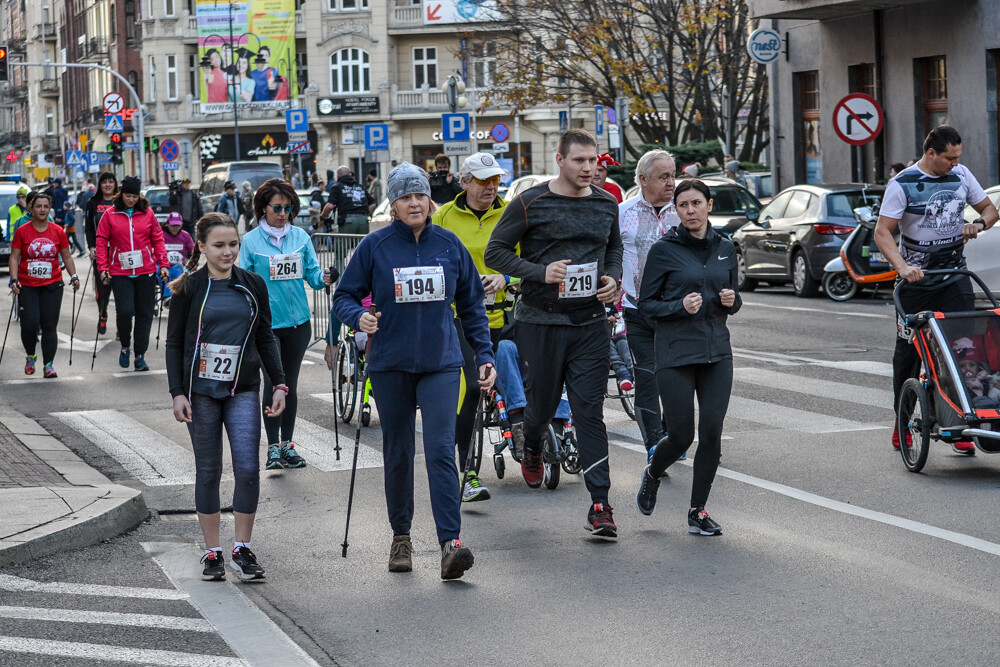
(746, 284)
(805, 285)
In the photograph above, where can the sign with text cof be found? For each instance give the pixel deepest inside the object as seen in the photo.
(377, 137)
(437, 12)
(857, 119)
(764, 46)
(455, 127)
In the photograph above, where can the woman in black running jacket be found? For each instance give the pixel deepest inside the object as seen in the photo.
(689, 290)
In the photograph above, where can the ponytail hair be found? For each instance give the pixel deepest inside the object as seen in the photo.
(204, 225)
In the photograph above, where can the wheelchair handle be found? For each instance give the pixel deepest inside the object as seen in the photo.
(942, 272)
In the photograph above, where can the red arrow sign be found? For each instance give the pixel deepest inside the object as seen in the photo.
(434, 12)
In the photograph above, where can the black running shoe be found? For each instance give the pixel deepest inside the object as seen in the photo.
(246, 564)
(645, 499)
(701, 524)
(215, 566)
(600, 522)
(102, 324)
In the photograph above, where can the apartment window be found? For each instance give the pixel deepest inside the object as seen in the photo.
(130, 19)
(193, 74)
(133, 80)
(347, 5)
(424, 66)
(171, 77)
(810, 162)
(168, 8)
(934, 84)
(114, 31)
(350, 72)
(861, 79)
(301, 69)
(484, 64)
(50, 120)
(152, 79)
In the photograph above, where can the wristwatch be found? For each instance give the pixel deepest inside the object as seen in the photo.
(981, 222)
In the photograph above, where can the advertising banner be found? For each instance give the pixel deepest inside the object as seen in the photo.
(255, 67)
(437, 12)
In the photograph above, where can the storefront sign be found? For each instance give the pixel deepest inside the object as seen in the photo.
(347, 106)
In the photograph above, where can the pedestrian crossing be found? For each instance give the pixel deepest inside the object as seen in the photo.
(767, 396)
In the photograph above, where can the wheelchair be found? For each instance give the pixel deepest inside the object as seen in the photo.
(627, 398)
(350, 369)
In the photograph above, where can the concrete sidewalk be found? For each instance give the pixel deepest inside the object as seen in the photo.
(50, 500)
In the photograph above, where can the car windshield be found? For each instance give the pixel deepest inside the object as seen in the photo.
(158, 197)
(842, 204)
(732, 201)
(7, 200)
(304, 202)
(256, 175)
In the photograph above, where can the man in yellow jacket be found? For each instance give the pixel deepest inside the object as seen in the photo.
(16, 211)
(472, 215)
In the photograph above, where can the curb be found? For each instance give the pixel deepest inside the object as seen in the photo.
(88, 510)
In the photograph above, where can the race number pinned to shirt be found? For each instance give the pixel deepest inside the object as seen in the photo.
(417, 284)
(580, 281)
(130, 260)
(286, 267)
(218, 362)
(175, 253)
(490, 298)
(40, 269)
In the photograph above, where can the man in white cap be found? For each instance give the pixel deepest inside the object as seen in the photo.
(472, 215)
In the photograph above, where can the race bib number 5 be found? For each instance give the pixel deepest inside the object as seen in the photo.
(286, 267)
(131, 259)
(41, 270)
(417, 284)
(580, 281)
(218, 362)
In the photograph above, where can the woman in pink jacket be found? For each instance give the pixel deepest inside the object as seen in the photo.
(129, 251)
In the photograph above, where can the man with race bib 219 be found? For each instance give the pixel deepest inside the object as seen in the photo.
(927, 202)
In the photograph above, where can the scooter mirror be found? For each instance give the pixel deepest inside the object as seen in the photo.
(864, 214)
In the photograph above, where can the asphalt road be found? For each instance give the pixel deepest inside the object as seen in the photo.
(832, 552)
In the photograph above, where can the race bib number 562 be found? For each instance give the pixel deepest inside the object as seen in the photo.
(418, 284)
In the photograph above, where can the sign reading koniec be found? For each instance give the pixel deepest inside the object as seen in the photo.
(256, 68)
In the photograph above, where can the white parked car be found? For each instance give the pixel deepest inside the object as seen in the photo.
(983, 254)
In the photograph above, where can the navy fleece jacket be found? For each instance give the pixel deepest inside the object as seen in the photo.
(415, 337)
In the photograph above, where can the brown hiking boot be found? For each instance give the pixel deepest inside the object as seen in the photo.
(400, 554)
(455, 559)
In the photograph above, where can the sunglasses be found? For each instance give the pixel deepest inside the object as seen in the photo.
(492, 180)
(288, 208)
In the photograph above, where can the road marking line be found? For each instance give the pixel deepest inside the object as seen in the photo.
(39, 378)
(318, 355)
(142, 656)
(132, 374)
(80, 344)
(107, 618)
(248, 631)
(792, 419)
(150, 457)
(12, 583)
(858, 366)
(316, 445)
(840, 391)
(818, 310)
(960, 539)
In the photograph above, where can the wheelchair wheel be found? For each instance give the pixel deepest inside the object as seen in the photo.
(571, 464)
(628, 402)
(366, 415)
(499, 465)
(551, 474)
(914, 418)
(347, 380)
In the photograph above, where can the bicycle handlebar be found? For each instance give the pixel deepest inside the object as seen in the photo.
(942, 272)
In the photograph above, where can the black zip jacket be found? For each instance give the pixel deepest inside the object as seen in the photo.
(96, 206)
(184, 329)
(677, 265)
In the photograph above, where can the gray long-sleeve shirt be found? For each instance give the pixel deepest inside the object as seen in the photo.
(551, 227)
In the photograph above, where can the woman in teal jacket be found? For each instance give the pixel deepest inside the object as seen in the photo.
(283, 255)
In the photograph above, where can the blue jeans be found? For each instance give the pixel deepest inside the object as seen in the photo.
(512, 384)
(176, 270)
(620, 359)
(241, 417)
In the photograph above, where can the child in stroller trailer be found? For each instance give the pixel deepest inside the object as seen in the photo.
(975, 373)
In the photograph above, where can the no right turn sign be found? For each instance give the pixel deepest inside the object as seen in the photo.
(857, 119)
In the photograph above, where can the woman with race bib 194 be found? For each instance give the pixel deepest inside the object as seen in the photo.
(283, 255)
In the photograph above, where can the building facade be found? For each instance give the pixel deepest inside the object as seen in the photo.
(926, 63)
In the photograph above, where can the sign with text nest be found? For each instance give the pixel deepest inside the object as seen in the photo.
(347, 106)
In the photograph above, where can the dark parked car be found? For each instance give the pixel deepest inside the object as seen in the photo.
(798, 233)
(731, 204)
(159, 201)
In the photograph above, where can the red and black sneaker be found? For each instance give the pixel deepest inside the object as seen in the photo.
(102, 324)
(600, 522)
(895, 438)
(532, 468)
(965, 447)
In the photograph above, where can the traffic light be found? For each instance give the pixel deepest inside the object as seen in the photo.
(4, 69)
(152, 144)
(116, 153)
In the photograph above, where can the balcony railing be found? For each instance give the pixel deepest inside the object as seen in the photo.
(93, 49)
(49, 88)
(50, 30)
(407, 16)
(431, 99)
(15, 91)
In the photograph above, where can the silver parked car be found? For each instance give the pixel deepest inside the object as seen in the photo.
(983, 254)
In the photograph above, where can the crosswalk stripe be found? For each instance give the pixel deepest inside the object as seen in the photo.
(840, 391)
(150, 457)
(792, 419)
(857, 365)
(134, 374)
(79, 344)
(17, 584)
(38, 378)
(317, 446)
(106, 618)
(141, 656)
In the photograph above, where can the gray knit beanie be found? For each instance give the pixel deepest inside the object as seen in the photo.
(407, 179)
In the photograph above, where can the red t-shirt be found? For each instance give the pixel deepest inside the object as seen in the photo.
(39, 254)
(613, 189)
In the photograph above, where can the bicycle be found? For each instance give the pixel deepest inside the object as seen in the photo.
(350, 365)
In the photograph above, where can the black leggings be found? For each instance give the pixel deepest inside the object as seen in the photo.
(134, 297)
(292, 343)
(40, 306)
(713, 383)
(102, 291)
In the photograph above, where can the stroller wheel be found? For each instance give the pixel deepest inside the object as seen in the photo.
(551, 457)
(499, 465)
(914, 418)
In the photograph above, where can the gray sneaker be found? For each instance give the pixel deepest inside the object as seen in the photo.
(401, 554)
(455, 559)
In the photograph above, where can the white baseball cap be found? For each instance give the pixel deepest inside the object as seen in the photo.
(482, 165)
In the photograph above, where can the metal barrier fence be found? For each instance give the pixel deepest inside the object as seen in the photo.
(332, 250)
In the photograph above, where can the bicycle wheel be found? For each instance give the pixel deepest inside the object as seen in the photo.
(915, 419)
(628, 402)
(551, 462)
(571, 464)
(347, 380)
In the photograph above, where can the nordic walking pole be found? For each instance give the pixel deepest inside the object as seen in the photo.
(72, 328)
(480, 409)
(13, 305)
(333, 375)
(357, 442)
(83, 289)
(159, 320)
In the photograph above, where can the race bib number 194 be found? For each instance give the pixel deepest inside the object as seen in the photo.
(418, 284)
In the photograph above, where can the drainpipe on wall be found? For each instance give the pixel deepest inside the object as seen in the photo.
(775, 121)
(880, 144)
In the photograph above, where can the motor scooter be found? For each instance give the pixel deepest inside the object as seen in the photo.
(860, 262)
